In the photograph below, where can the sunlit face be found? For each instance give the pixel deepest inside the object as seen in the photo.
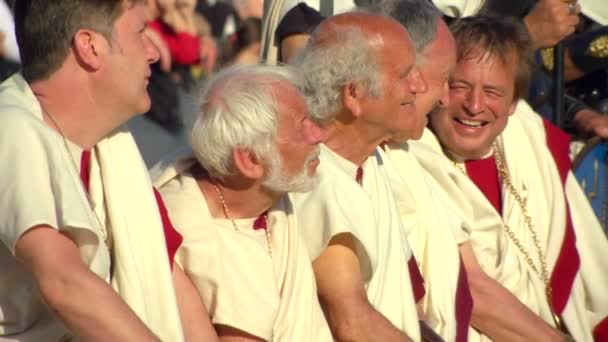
(482, 96)
(126, 70)
(394, 111)
(293, 163)
(435, 62)
(438, 60)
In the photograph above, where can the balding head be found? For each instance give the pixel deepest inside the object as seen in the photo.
(347, 48)
(374, 28)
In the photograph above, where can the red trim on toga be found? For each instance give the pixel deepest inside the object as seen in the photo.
(416, 279)
(484, 174)
(173, 239)
(568, 262)
(85, 168)
(600, 332)
(359, 175)
(261, 222)
(464, 305)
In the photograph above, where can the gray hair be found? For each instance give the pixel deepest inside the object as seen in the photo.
(329, 65)
(238, 108)
(418, 16)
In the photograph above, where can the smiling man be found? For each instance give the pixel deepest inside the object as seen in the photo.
(532, 231)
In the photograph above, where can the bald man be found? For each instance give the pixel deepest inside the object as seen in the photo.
(362, 82)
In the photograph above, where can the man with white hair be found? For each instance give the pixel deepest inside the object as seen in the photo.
(251, 143)
(361, 84)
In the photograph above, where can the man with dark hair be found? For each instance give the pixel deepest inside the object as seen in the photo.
(87, 245)
(532, 229)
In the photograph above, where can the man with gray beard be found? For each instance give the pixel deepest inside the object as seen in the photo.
(251, 143)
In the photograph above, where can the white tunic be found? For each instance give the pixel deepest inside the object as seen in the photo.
(434, 237)
(534, 174)
(274, 298)
(338, 204)
(41, 186)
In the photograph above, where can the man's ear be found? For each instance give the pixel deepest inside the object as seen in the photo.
(352, 94)
(88, 46)
(248, 164)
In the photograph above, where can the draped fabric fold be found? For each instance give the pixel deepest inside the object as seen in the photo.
(535, 173)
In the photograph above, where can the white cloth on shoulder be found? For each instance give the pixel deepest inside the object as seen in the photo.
(534, 173)
(434, 237)
(44, 187)
(338, 204)
(273, 298)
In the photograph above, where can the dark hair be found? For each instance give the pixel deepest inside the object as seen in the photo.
(249, 32)
(500, 37)
(45, 29)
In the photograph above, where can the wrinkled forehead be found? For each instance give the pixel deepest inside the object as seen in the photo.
(291, 105)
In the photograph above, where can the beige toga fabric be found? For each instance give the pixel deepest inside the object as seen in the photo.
(434, 237)
(240, 284)
(338, 204)
(534, 174)
(45, 188)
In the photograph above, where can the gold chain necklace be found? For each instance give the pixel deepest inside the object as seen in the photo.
(543, 274)
(236, 228)
(107, 240)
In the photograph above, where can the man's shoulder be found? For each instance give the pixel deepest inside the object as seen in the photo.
(19, 112)
(335, 183)
(184, 202)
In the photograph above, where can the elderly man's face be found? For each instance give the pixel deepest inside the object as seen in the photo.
(437, 62)
(297, 146)
(482, 96)
(394, 111)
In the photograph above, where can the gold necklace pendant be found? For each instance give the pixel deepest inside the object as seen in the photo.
(234, 225)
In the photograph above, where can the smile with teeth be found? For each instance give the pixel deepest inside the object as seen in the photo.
(470, 123)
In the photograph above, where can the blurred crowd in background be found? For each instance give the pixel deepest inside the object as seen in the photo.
(198, 37)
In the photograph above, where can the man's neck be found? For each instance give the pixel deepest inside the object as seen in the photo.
(353, 142)
(73, 112)
(241, 200)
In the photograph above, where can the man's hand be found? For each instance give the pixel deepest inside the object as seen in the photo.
(592, 123)
(550, 21)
